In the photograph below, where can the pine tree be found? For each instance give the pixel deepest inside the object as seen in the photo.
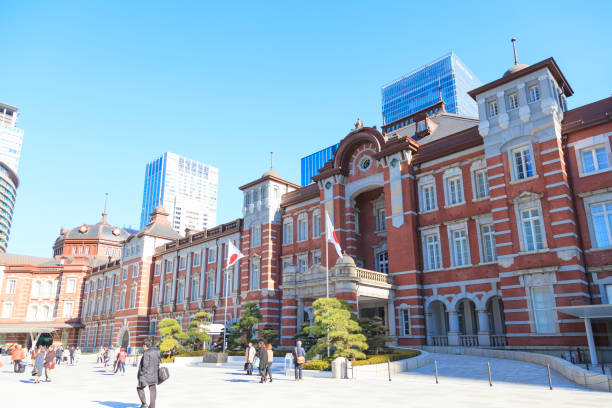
(335, 328)
(267, 334)
(250, 317)
(196, 333)
(171, 333)
(376, 333)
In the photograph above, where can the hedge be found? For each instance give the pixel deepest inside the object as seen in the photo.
(391, 355)
(319, 365)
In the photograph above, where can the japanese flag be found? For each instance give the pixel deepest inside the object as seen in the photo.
(330, 234)
(233, 254)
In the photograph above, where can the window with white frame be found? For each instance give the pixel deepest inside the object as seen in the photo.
(7, 310)
(256, 239)
(594, 159)
(523, 163)
(196, 259)
(114, 306)
(534, 93)
(135, 270)
(106, 304)
(182, 262)
(454, 193)
(167, 292)
(405, 315)
(531, 223)
(255, 275)
(32, 312)
(382, 262)
(459, 246)
(487, 236)
(543, 304)
(513, 101)
(195, 284)
(225, 249)
(481, 183)
(316, 224)
(302, 263)
(421, 126)
(381, 218)
(43, 313)
(157, 268)
(428, 197)
(210, 286)
(493, 109)
(601, 214)
(180, 291)
(125, 273)
(155, 299)
(71, 285)
(302, 232)
(36, 289)
(11, 284)
(133, 297)
(432, 255)
(316, 258)
(152, 328)
(608, 290)
(227, 283)
(47, 289)
(212, 255)
(68, 309)
(288, 231)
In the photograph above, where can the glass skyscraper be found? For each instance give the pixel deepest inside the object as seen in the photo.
(421, 89)
(11, 137)
(187, 189)
(313, 162)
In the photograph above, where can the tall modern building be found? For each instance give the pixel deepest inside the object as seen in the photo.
(313, 162)
(421, 89)
(11, 136)
(187, 189)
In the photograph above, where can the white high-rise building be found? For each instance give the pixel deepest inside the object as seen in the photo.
(11, 136)
(187, 189)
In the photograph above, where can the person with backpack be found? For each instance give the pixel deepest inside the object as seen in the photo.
(249, 357)
(148, 372)
(299, 358)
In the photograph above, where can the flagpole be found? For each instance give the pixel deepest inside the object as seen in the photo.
(225, 312)
(327, 274)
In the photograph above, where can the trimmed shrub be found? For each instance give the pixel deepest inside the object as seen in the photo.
(319, 365)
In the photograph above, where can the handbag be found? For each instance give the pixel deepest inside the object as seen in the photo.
(51, 365)
(299, 359)
(162, 374)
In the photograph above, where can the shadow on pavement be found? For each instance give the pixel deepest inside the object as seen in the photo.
(116, 404)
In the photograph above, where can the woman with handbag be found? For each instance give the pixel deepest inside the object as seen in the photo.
(49, 363)
(148, 373)
(39, 361)
(299, 358)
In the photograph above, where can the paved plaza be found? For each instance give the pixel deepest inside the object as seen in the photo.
(463, 383)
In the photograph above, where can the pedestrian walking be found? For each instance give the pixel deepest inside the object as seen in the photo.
(148, 373)
(17, 356)
(71, 351)
(59, 352)
(249, 357)
(121, 356)
(100, 356)
(270, 360)
(263, 361)
(299, 358)
(38, 365)
(49, 362)
(77, 355)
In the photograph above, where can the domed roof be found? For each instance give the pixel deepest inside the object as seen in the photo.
(94, 231)
(272, 173)
(514, 68)
(346, 259)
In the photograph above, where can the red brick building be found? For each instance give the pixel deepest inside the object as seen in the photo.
(457, 231)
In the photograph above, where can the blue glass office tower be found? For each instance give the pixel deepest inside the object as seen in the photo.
(421, 89)
(312, 163)
(187, 189)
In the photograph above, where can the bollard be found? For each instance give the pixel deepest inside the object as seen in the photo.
(549, 379)
(489, 368)
(603, 370)
(436, 370)
(389, 369)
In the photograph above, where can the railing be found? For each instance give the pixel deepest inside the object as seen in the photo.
(498, 340)
(468, 340)
(374, 276)
(440, 341)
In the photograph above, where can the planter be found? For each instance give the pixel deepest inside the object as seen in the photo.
(214, 358)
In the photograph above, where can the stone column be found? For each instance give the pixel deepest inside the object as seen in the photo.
(175, 266)
(391, 317)
(300, 313)
(590, 341)
(483, 328)
(429, 327)
(187, 295)
(453, 333)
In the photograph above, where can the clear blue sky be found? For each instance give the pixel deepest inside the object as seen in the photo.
(103, 87)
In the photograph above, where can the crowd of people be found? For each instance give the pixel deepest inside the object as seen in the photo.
(43, 359)
(263, 358)
(117, 355)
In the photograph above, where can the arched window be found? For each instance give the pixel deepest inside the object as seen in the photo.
(32, 312)
(36, 289)
(44, 313)
(48, 288)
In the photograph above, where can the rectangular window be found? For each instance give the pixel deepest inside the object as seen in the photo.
(210, 287)
(381, 221)
(302, 233)
(7, 310)
(382, 262)
(421, 126)
(155, 300)
(609, 294)
(428, 197)
(316, 258)
(534, 93)
(196, 259)
(461, 253)
(493, 109)
(255, 276)
(523, 164)
(482, 183)
(256, 231)
(433, 258)
(602, 223)
(212, 255)
(135, 270)
(71, 285)
(125, 274)
(68, 308)
(180, 292)
(302, 263)
(453, 187)
(133, 297)
(194, 290)
(157, 268)
(532, 230)
(594, 159)
(11, 284)
(513, 101)
(316, 224)
(489, 251)
(405, 322)
(114, 306)
(152, 328)
(182, 263)
(543, 303)
(168, 290)
(287, 232)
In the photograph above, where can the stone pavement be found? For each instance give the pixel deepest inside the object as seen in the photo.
(463, 383)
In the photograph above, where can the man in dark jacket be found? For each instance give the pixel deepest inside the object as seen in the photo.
(148, 373)
(263, 361)
(48, 363)
(298, 351)
(71, 351)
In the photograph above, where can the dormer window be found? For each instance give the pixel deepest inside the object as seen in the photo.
(513, 102)
(534, 93)
(493, 111)
(421, 126)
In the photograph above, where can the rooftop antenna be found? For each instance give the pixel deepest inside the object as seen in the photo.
(271, 159)
(514, 47)
(104, 213)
